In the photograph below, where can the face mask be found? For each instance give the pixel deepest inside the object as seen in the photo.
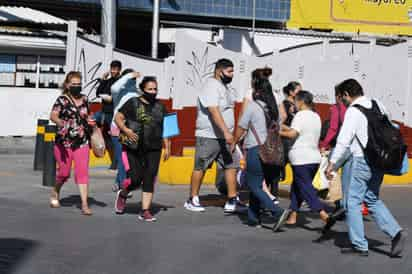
(75, 90)
(225, 79)
(150, 97)
(345, 102)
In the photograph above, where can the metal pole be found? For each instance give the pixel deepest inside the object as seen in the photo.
(108, 22)
(71, 46)
(49, 169)
(254, 20)
(38, 162)
(155, 29)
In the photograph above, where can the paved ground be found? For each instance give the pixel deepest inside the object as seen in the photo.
(37, 239)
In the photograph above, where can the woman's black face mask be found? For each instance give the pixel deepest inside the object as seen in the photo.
(75, 91)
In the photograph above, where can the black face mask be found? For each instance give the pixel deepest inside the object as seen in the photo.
(150, 97)
(225, 79)
(75, 91)
(345, 102)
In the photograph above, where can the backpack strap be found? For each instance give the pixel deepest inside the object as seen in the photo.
(255, 134)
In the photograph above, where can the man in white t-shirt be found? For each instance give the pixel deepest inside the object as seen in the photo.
(214, 135)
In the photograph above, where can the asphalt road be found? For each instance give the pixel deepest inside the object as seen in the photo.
(37, 239)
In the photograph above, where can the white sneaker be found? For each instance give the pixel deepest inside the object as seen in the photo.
(194, 205)
(230, 207)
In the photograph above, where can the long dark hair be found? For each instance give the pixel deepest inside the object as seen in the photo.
(262, 91)
(291, 86)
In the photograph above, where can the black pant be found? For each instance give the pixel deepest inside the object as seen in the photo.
(272, 175)
(144, 166)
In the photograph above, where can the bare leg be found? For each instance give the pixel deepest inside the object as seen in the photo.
(292, 218)
(196, 182)
(147, 199)
(84, 194)
(55, 195)
(230, 177)
(324, 216)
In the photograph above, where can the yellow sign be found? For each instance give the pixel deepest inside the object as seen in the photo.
(49, 137)
(364, 16)
(41, 129)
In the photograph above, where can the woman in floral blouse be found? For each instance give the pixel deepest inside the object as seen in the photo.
(70, 113)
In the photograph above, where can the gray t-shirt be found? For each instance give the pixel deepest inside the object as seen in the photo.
(254, 115)
(214, 94)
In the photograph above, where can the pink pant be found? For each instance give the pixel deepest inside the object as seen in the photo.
(64, 158)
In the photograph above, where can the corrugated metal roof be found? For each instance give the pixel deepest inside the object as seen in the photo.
(21, 14)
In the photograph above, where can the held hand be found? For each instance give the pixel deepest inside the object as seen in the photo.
(131, 135)
(330, 171)
(229, 138)
(136, 74)
(91, 122)
(166, 154)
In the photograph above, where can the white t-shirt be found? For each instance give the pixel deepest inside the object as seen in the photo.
(305, 150)
(215, 94)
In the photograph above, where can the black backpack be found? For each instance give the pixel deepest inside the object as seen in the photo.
(385, 149)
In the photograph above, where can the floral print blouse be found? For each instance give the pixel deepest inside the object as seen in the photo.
(76, 131)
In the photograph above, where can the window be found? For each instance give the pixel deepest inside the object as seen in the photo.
(31, 71)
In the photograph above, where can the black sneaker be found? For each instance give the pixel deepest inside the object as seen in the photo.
(398, 244)
(329, 224)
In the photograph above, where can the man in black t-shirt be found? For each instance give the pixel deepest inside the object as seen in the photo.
(105, 116)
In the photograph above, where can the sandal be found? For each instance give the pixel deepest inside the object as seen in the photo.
(86, 211)
(54, 203)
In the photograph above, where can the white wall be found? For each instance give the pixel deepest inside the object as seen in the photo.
(21, 107)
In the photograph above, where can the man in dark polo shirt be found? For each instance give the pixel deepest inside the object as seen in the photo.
(105, 116)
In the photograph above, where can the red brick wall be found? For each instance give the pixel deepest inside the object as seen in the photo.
(187, 122)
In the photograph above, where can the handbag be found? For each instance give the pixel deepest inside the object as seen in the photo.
(97, 142)
(124, 140)
(271, 151)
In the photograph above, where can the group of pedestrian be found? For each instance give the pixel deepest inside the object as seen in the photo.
(133, 117)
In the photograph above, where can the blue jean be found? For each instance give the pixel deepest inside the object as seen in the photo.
(345, 163)
(255, 174)
(121, 172)
(302, 188)
(364, 186)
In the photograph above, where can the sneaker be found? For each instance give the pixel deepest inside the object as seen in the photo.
(282, 219)
(147, 216)
(120, 203)
(398, 243)
(194, 205)
(115, 187)
(130, 194)
(234, 205)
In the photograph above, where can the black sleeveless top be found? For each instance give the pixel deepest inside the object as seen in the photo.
(291, 110)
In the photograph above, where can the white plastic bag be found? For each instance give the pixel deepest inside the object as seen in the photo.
(320, 182)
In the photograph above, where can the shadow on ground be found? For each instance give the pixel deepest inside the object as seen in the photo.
(74, 200)
(13, 252)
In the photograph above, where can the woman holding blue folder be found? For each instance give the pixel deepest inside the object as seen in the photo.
(140, 121)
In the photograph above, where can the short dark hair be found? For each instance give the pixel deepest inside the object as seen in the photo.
(146, 79)
(223, 64)
(291, 86)
(116, 64)
(351, 86)
(306, 97)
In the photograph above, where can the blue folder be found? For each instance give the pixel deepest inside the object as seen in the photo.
(170, 125)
